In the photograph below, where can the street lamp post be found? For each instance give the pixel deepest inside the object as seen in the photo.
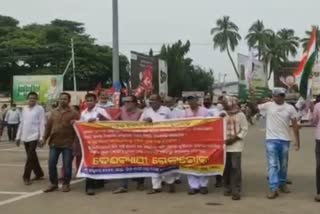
(115, 43)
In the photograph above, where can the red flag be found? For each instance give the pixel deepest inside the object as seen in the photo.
(83, 105)
(98, 88)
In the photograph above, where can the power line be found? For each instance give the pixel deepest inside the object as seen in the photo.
(157, 43)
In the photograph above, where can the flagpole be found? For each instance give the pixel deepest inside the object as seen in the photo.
(73, 66)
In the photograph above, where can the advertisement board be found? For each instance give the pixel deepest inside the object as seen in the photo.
(48, 87)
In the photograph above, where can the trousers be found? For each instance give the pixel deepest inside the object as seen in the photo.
(318, 165)
(168, 178)
(232, 172)
(32, 162)
(277, 158)
(196, 182)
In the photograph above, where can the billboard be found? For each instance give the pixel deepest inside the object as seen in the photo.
(48, 87)
(252, 77)
(144, 74)
(163, 78)
(316, 79)
(284, 78)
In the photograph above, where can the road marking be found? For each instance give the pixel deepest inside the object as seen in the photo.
(10, 149)
(29, 195)
(13, 193)
(21, 150)
(20, 165)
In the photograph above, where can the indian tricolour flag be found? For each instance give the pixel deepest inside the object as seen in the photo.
(308, 60)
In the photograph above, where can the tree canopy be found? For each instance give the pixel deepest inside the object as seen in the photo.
(46, 49)
(182, 74)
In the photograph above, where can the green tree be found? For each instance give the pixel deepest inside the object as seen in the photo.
(258, 36)
(46, 49)
(7, 25)
(305, 40)
(226, 37)
(182, 74)
(273, 53)
(290, 42)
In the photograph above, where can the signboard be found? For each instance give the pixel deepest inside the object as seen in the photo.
(144, 74)
(163, 78)
(199, 94)
(253, 78)
(284, 78)
(138, 149)
(316, 80)
(48, 87)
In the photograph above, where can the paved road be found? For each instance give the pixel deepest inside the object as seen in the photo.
(16, 198)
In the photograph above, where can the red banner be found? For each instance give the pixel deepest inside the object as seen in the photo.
(138, 149)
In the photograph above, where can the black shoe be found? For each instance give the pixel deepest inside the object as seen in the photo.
(90, 192)
(219, 184)
(204, 190)
(289, 182)
(236, 197)
(193, 191)
(178, 181)
(154, 191)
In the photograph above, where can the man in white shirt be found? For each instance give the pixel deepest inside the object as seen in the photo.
(155, 113)
(176, 113)
(31, 132)
(105, 101)
(213, 111)
(279, 114)
(92, 114)
(12, 120)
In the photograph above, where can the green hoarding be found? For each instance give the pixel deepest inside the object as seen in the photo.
(48, 87)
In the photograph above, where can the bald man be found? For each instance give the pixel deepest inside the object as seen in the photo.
(156, 113)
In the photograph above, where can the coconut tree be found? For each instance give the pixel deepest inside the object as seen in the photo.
(257, 37)
(273, 54)
(305, 40)
(226, 37)
(290, 42)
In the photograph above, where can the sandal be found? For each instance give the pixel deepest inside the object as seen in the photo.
(51, 189)
(154, 191)
(120, 190)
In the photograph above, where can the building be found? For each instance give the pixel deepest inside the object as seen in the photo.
(231, 88)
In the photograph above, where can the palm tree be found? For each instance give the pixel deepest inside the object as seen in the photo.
(290, 42)
(273, 53)
(305, 41)
(257, 37)
(226, 37)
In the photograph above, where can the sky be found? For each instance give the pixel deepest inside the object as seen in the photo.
(145, 24)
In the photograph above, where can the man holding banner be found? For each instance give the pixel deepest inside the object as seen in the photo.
(130, 112)
(197, 183)
(92, 114)
(61, 136)
(157, 113)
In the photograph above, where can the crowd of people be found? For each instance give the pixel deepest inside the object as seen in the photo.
(36, 129)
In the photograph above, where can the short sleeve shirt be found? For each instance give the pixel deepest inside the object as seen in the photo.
(278, 120)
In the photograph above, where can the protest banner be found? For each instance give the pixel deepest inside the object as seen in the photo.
(139, 149)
